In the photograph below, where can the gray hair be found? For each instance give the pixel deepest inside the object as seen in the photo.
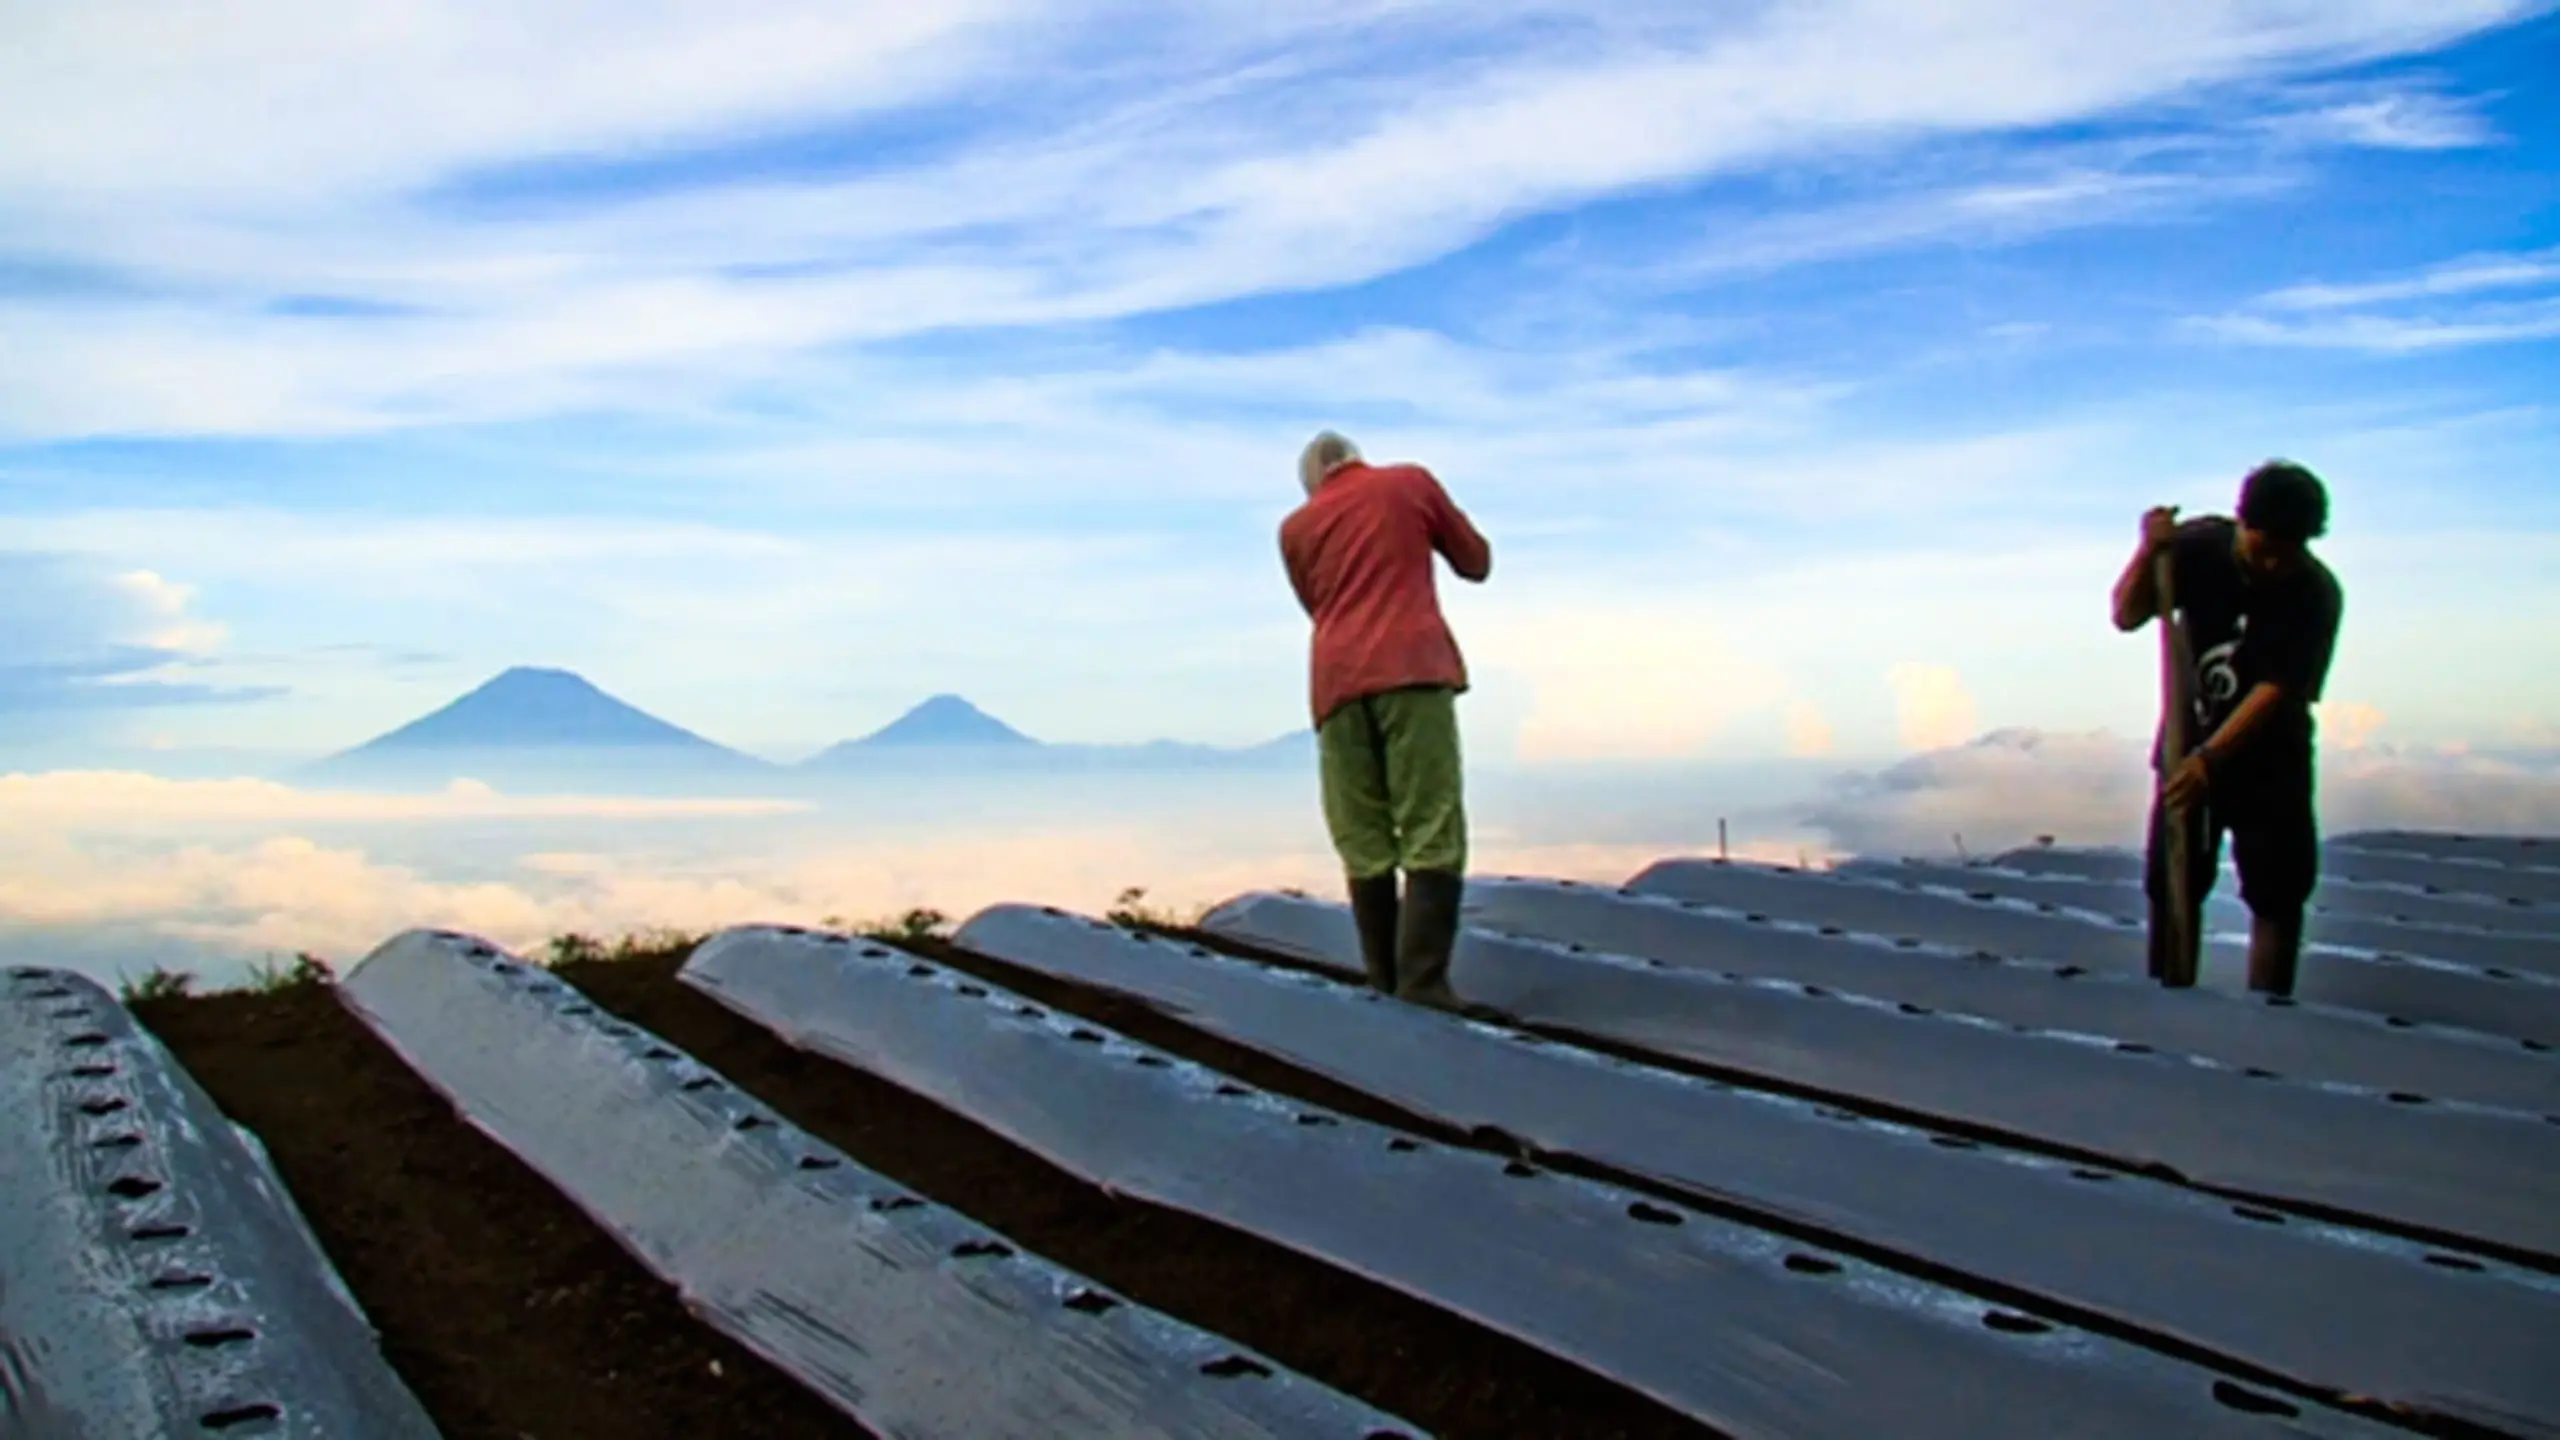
(1323, 455)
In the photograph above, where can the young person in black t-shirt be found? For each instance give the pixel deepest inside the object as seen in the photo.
(2262, 620)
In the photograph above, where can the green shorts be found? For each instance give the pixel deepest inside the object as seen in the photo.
(1393, 797)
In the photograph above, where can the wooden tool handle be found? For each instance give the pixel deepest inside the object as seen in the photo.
(2177, 711)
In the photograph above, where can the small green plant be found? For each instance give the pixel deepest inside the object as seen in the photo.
(269, 977)
(1132, 912)
(656, 944)
(919, 923)
(162, 983)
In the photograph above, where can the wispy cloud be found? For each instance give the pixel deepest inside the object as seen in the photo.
(779, 364)
(2395, 115)
(2399, 335)
(1197, 168)
(80, 635)
(2430, 309)
(2534, 270)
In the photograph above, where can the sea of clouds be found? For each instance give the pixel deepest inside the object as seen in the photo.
(117, 872)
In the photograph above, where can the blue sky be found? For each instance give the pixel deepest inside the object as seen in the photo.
(775, 365)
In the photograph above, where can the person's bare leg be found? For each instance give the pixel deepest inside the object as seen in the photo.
(2275, 953)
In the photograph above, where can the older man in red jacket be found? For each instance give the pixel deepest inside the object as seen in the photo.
(1386, 675)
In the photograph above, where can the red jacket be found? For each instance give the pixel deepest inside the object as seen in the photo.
(1359, 556)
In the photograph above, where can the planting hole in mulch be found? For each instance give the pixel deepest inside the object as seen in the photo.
(1441, 1372)
(503, 1308)
(511, 1315)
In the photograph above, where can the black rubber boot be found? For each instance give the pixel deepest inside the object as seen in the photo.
(1427, 937)
(2275, 951)
(1373, 914)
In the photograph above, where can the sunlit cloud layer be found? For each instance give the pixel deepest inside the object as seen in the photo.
(218, 877)
(108, 800)
(2010, 787)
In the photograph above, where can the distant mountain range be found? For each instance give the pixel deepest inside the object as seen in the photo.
(533, 727)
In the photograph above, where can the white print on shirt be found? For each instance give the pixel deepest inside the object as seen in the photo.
(2217, 676)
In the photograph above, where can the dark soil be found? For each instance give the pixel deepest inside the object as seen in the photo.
(514, 1318)
(1432, 1368)
(508, 1313)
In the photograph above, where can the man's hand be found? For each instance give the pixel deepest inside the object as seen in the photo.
(2137, 597)
(2188, 783)
(2159, 527)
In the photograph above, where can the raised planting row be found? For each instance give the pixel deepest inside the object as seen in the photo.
(2357, 876)
(2538, 850)
(155, 1277)
(1746, 1330)
(2326, 1312)
(511, 1314)
(2466, 932)
(1430, 1365)
(906, 1315)
(2436, 1170)
(2493, 1000)
(2314, 1042)
(2515, 882)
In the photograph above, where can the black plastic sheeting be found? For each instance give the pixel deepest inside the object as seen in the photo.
(2348, 1312)
(2446, 1170)
(1743, 1330)
(2542, 850)
(155, 1277)
(2338, 894)
(910, 1317)
(2330, 932)
(2313, 1042)
(2496, 1002)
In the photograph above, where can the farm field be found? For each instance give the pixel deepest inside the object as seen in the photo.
(1763, 1153)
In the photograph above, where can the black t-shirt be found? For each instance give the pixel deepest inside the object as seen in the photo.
(2244, 628)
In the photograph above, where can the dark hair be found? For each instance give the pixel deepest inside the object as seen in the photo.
(2285, 501)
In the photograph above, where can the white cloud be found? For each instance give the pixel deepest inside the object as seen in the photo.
(1931, 705)
(423, 555)
(76, 801)
(1981, 196)
(287, 101)
(2094, 788)
(1809, 735)
(178, 869)
(2464, 276)
(2381, 117)
(1608, 678)
(2398, 335)
(78, 634)
(281, 148)
(2349, 724)
(169, 626)
(231, 900)
(2429, 309)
